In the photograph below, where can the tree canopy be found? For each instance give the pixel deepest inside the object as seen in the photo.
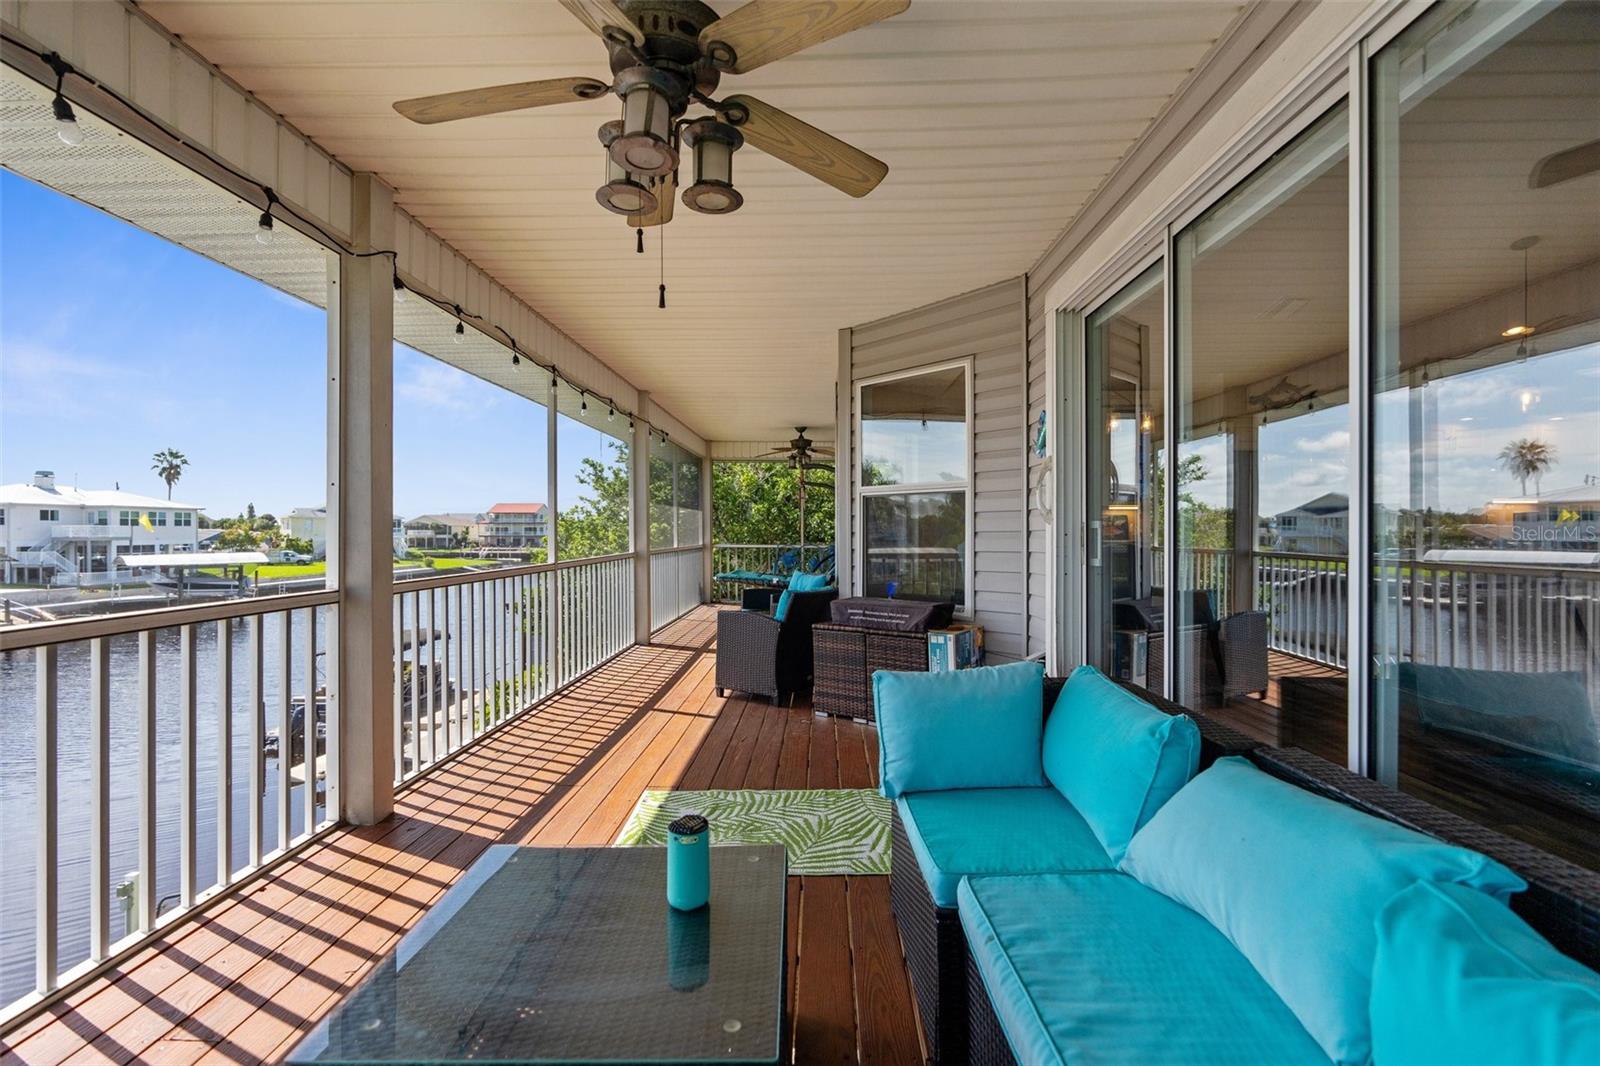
(752, 503)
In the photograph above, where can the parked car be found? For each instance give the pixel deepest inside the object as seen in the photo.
(284, 555)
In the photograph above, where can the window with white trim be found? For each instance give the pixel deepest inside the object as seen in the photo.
(915, 529)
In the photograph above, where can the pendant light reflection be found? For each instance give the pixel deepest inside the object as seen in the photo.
(1524, 327)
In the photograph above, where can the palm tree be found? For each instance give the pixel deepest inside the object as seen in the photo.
(1526, 458)
(169, 465)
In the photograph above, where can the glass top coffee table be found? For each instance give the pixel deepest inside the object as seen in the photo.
(571, 955)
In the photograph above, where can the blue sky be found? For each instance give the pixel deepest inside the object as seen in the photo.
(115, 344)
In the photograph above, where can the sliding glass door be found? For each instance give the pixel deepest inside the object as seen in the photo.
(1123, 460)
(1485, 550)
(1261, 475)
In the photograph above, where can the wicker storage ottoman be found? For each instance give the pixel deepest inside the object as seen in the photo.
(846, 656)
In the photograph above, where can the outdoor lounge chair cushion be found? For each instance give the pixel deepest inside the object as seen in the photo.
(1296, 882)
(1460, 978)
(1095, 967)
(978, 728)
(1114, 756)
(803, 582)
(996, 831)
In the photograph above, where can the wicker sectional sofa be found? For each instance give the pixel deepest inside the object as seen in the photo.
(1034, 965)
(930, 933)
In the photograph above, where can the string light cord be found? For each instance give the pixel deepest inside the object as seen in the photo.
(271, 205)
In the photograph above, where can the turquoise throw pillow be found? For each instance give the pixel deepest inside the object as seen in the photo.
(976, 728)
(781, 611)
(808, 582)
(1296, 882)
(1459, 978)
(1115, 757)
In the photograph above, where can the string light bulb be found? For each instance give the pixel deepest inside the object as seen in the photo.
(67, 128)
(399, 290)
(264, 223)
(516, 361)
(583, 407)
(611, 414)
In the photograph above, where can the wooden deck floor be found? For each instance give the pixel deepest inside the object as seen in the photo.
(247, 980)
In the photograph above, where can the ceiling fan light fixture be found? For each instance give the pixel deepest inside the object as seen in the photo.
(1516, 331)
(623, 193)
(713, 143)
(644, 145)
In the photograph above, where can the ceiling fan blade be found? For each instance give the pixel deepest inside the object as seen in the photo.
(666, 190)
(822, 155)
(764, 30)
(1566, 165)
(470, 103)
(598, 14)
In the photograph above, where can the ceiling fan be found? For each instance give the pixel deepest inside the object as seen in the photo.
(802, 453)
(666, 55)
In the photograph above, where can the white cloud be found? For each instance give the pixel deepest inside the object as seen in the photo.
(1335, 441)
(429, 383)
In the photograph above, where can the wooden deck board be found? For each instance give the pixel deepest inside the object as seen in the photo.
(245, 981)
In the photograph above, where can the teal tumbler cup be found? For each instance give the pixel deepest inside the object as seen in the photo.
(689, 862)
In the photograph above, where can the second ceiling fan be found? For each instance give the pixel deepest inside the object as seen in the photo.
(666, 55)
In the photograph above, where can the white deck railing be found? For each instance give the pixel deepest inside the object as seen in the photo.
(151, 785)
(677, 583)
(174, 752)
(474, 649)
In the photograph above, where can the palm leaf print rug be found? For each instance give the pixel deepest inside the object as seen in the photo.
(826, 831)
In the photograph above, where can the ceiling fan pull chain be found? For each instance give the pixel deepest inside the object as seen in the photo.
(640, 234)
(661, 247)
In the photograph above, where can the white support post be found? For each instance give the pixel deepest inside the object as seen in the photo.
(844, 475)
(705, 526)
(361, 515)
(639, 520)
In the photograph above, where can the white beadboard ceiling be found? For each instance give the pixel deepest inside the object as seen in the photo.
(998, 121)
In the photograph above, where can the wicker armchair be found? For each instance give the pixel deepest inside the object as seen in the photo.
(1217, 660)
(758, 654)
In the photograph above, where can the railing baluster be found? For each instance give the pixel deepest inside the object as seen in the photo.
(147, 894)
(452, 619)
(414, 710)
(431, 730)
(187, 765)
(258, 762)
(45, 910)
(399, 689)
(285, 737)
(309, 722)
(100, 803)
(224, 750)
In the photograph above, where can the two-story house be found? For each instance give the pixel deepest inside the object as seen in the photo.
(50, 534)
(514, 525)
(428, 532)
(1316, 527)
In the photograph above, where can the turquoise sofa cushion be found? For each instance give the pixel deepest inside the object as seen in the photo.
(1095, 968)
(995, 831)
(1460, 978)
(781, 611)
(1116, 757)
(803, 582)
(1296, 882)
(976, 728)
